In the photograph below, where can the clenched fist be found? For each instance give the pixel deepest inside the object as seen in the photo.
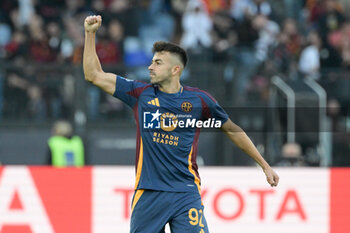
(92, 23)
(271, 177)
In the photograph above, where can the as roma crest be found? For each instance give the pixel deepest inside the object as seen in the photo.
(186, 106)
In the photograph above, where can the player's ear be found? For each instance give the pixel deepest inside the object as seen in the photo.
(176, 69)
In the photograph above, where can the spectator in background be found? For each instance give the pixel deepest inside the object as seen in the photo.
(15, 95)
(116, 33)
(285, 54)
(65, 149)
(261, 7)
(340, 40)
(291, 156)
(197, 27)
(326, 16)
(309, 63)
(268, 33)
(74, 40)
(334, 113)
(116, 38)
(67, 43)
(223, 35)
(196, 38)
(331, 19)
(16, 48)
(54, 35)
(294, 38)
(36, 105)
(240, 9)
(314, 10)
(108, 51)
(281, 58)
(24, 99)
(244, 56)
(39, 48)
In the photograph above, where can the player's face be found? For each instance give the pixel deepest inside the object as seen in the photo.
(160, 69)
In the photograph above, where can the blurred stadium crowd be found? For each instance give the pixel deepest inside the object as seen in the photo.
(239, 44)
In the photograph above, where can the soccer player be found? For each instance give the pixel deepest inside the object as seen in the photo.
(168, 117)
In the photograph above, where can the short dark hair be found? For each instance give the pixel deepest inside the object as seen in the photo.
(161, 46)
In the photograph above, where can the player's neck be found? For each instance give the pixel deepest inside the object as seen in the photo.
(170, 88)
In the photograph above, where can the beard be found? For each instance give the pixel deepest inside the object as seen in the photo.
(159, 78)
(153, 78)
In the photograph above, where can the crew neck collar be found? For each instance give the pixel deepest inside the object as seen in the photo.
(170, 94)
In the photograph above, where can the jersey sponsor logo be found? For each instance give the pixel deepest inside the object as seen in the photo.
(151, 120)
(186, 106)
(169, 121)
(154, 102)
(165, 138)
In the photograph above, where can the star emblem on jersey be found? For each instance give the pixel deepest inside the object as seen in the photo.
(151, 120)
(154, 102)
(155, 115)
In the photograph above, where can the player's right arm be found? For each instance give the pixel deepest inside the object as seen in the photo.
(92, 67)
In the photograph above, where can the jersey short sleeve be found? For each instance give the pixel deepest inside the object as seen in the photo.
(128, 90)
(212, 109)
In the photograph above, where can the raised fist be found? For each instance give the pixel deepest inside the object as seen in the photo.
(92, 23)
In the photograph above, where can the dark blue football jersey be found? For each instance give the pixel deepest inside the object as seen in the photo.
(168, 127)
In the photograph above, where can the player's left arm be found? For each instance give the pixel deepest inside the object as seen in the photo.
(241, 139)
